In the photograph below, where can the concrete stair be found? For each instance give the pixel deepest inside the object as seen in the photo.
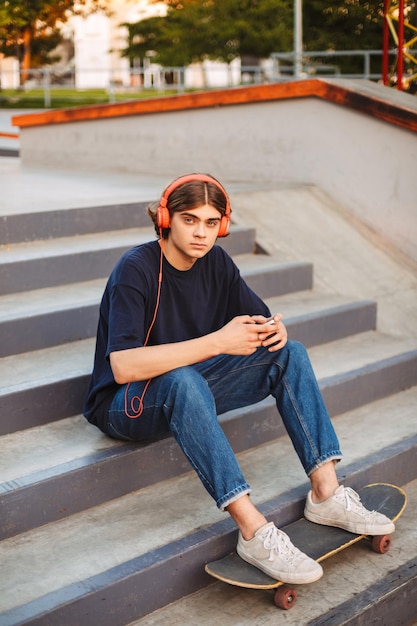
(98, 531)
(358, 587)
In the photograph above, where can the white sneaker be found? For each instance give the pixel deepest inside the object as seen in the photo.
(272, 552)
(344, 509)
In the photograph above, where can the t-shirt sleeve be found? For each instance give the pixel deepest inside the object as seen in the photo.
(126, 317)
(127, 298)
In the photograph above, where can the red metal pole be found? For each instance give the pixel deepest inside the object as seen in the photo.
(400, 54)
(385, 45)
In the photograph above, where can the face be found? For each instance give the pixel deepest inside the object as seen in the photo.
(193, 233)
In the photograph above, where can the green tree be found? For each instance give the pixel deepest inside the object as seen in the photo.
(26, 27)
(344, 25)
(223, 29)
(216, 29)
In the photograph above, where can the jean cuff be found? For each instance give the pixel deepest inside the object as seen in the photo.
(232, 496)
(336, 456)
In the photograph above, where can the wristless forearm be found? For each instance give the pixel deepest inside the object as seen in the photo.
(150, 361)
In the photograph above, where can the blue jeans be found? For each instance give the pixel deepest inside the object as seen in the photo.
(185, 402)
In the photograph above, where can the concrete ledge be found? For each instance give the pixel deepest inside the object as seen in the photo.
(369, 98)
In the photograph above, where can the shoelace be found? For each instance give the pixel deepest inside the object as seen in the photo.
(353, 502)
(278, 542)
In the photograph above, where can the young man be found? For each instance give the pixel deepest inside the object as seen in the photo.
(182, 338)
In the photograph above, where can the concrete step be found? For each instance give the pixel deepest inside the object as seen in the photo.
(29, 378)
(49, 470)
(44, 317)
(38, 319)
(46, 263)
(126, 558)
(330, 317)
(391, 600)
(44, 385)
(68, 222)
(18, 227)
(40, 264)
(358, 587)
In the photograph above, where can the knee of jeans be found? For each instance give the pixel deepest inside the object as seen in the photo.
(182, 375)
(293, 357)
(293, 349)
(296, 347)
(187, 381)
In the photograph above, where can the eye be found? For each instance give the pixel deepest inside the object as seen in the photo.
(213, 223)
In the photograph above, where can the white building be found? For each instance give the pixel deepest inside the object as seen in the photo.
(98, 40)
(9, 72)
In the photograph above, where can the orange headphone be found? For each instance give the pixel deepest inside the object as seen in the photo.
(163, 217)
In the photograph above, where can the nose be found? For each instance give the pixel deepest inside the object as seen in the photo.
(200, 229)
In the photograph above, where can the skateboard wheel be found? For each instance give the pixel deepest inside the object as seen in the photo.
(381, 543)
(285, 598)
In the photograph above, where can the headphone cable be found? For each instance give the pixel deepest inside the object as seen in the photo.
(137, 411)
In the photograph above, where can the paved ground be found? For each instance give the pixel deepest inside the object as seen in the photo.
(25, 189)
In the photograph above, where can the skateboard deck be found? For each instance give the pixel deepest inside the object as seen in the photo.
(319, 542)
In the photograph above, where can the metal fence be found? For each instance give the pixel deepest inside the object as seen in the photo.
(334, 63)
(48, 85)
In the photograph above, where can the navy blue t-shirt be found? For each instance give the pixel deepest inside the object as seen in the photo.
(192, 303)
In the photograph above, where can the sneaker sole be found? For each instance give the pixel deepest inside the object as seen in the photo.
(304, 579)
(386, 530)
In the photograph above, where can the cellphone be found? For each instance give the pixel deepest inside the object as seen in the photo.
(272, 334)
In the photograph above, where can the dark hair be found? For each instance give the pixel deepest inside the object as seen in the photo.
(190, 195)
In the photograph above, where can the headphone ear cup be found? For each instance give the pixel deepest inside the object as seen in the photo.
(162, 216)
(224, 226)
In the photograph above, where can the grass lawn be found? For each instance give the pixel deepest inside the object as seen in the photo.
(64, 98)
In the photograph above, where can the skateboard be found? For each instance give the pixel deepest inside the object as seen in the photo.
(319, 542)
